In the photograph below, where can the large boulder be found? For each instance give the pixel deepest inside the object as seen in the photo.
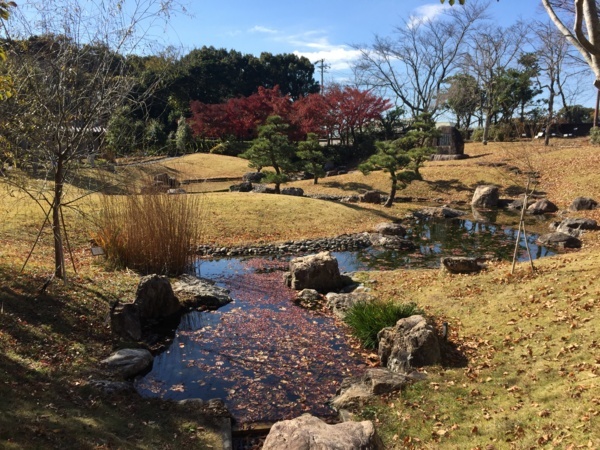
(319, 272)
(411, 343)
(461, 264)
(392, 242)
(310, 433)
(339, 304)
(253, 177)
(129, 362)
(574, 227)
(294, 191)
(542, 206)
(485, 197)
(201, 293)
(390, 229)
(155, 299)
(125, 321)
(583, 203)
(560, 240)
(371, 197)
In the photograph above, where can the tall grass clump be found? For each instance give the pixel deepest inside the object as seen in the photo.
(366, 319)
(149, 233)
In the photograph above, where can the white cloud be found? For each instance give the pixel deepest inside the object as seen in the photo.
(426, 13)
(261, 29)
(315, 46)
(337, 58)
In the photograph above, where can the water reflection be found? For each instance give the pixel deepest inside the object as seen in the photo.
(445, 237)
(271, 360)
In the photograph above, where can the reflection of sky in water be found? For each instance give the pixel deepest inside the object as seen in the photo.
(270, 359)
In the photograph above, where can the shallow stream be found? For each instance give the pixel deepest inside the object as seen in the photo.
(269, 359)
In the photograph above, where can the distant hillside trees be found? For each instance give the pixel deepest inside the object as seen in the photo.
(211, 76)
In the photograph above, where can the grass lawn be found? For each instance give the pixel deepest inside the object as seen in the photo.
(532, 372)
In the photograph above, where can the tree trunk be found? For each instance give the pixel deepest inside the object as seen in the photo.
(550, 116)
(486, 127)
(277, 183)
(59, 255)
(392, 196)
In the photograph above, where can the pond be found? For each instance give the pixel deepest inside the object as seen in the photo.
(269, 359)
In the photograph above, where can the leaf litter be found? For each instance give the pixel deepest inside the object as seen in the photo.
(267, 358)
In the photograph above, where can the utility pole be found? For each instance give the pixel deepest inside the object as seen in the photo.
(322, 67)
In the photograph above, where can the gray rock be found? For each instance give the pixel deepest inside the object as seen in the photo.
(439, 212)
(262, 189)
(204, 292)
(253, 177)
(518, 204)
(308, 298)
(371, 197)
(411, 343)
(392, 242)
(242, 187)
(390, 229)
(129, 362)
(295, 191)
(125, 321)
(339, 304)
(560, 240)
(485, 197)
(155, 299)
(574, 227)
(542, 206)
(310, 433)
(319, 272)
(461, 264)
(356, 391)
(583, 203)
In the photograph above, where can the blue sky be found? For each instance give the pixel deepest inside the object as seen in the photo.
(317, 29)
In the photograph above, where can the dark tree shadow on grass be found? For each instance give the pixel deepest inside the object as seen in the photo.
(350, 186)
(447, 185)
(50, 346)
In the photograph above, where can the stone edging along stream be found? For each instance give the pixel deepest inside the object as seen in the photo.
(343, 242)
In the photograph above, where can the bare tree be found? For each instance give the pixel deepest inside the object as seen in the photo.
(585, 32)
(557, 65)
(491, 54)
(422, 54)
(68, 79)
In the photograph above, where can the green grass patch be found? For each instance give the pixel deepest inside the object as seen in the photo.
(366, 319)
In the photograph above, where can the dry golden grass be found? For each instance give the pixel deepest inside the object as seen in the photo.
(201, 166)
(532, 369)
(530, 341)
(234, 218)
